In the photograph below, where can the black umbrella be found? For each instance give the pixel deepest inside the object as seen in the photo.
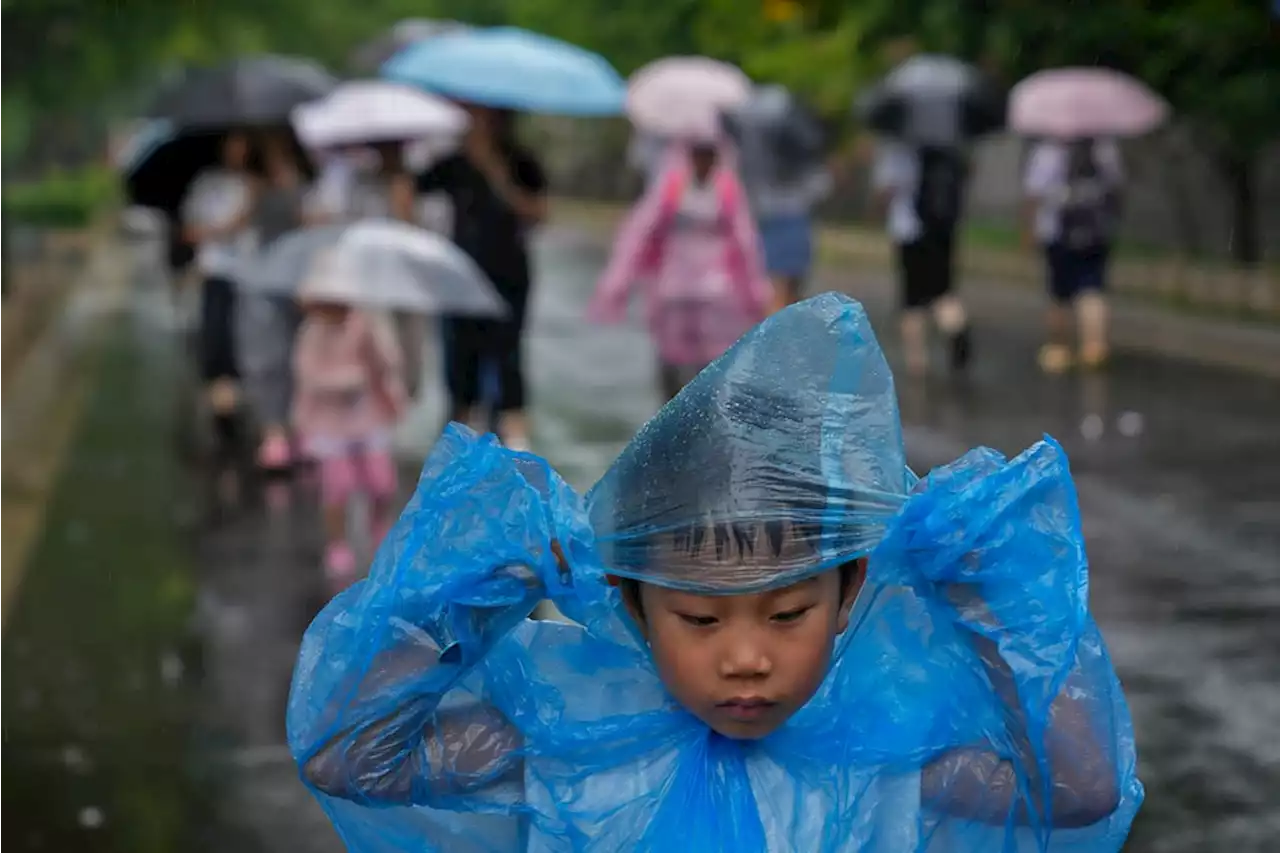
(779, 138)
(934, 100)
(250, 91)
(369, 57)
(160, 177)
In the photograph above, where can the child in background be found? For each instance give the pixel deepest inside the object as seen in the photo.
(692, 241)
(785, 640)
(348, 395)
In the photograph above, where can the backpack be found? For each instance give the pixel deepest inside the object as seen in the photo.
(674, 185)
(940, 192)
(1090, 210)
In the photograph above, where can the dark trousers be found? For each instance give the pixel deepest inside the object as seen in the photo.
(926, 268)
(474, 346)
(217, 329)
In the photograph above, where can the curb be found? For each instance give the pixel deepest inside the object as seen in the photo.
(46, 393)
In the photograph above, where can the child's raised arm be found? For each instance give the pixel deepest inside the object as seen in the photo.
(389, 702)
(997, 546)
(393, 743)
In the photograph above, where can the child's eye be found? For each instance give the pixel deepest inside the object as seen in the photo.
(792, 615)
(699, 621)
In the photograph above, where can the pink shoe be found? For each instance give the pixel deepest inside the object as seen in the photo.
(339, 565)
(275, 454)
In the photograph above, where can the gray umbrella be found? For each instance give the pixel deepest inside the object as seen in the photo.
(934, 100)
(780, 141)
(249, 91)
(378, 263)
(368, 57)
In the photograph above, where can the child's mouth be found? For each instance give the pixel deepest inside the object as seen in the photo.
(746, 709)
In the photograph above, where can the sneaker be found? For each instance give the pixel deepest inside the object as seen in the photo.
(1054, 358)
(339, 564)
(275, 454)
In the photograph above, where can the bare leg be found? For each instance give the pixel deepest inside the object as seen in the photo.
(1055, 355)
(914, 341)
(513, 429)
(1092, 319)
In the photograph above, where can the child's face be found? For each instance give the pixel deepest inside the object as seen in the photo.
(743, 664)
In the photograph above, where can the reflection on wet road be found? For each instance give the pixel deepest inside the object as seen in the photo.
(160, 723)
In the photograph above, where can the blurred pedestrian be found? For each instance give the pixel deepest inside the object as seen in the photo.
(348, 396)
(1074, 200)
(921, 191)
(498, 191)
(387, 191)
(267, 325)
(215, 217)
(692, 241)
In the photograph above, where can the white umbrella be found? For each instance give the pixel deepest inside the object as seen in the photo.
(685, 96)
(376, 263)
(367, 111)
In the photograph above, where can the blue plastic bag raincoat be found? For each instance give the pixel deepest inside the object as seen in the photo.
(970, 706)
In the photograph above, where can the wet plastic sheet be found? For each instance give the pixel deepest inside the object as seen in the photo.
(970, 706)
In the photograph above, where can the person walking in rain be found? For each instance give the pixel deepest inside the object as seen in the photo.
(920, 189)
(348, 395)
(1074, 199)
(267, 324)
(387, 192)
(692, 242)
(215, 217)
(498, 192)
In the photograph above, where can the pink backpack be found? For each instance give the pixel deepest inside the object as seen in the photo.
(673, 187)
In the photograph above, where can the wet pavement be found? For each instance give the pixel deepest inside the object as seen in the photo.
(150, 650)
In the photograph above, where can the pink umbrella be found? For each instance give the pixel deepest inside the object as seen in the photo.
(1084, 102)
(684, 96)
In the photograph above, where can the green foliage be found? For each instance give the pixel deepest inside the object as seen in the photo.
(62, 200)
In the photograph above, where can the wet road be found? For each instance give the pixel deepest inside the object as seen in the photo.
(150, 652)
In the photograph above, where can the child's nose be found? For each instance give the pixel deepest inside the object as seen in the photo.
(746, 659)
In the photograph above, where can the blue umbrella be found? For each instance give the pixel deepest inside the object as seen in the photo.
(512, 69)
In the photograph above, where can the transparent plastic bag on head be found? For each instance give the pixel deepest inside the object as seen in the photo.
(969, 706)
(792, 437)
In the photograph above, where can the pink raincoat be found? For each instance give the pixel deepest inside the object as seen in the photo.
(700, 269)
(347, 378)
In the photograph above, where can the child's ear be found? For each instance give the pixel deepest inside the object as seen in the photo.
(852, 580)
(631, 600)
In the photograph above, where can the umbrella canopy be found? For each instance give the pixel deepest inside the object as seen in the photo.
(1069, 103)
(779, 138)
(509, 68)
(159, 169)
(250, 91)
(934, 100)
(370, 56)
(685, 96)
(378, 263)
(368, 111)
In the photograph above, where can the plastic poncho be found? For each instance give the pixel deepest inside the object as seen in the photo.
(970, 705)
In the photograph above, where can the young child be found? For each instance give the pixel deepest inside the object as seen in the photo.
(348, 395)
(692, 241)
(785, 642)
